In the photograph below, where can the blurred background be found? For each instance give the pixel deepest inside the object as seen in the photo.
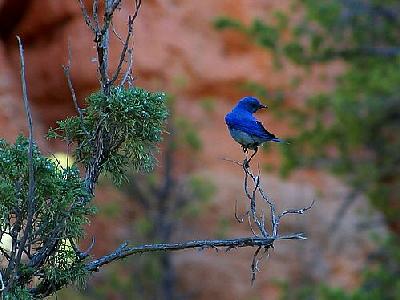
(330, 73)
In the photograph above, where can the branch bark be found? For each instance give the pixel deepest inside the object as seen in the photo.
(17, 252)
(123, 250)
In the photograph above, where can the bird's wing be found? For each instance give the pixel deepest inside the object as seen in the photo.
(250, 126)
(265, 131)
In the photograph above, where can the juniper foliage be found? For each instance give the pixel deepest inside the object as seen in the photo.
(125, 126)
(128, 123)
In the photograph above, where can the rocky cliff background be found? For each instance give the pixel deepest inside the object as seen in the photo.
(178, 51)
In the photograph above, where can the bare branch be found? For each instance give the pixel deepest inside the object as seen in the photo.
(72, 90)
(86, 16)
(128, 73)
(239, 219)
(123, 52)
(123, 250)
(111, 6)
(296, 211)
(252, 196)
(254, 265)
(1, 282)
(126, 48)
(117, 34)
(251, 225)
(138, 4)
(95, 12)
(31, 183)
(82, 254)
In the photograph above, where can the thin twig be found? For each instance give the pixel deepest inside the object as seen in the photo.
(82, 254)
(296, 211)
(86, 17)
(232, 161)
(254, 265)
(128, 72)
(124, 50)
(118, 36)
(1, 282)
(110, 9)
(239, 219)
(252, 196)
(31, 184)
(251, 225)
(95, 13)
(67, 74)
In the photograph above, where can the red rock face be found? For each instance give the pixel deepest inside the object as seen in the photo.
(178, 51)
(11, 110)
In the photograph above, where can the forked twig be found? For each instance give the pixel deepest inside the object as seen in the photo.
(67, 74)
(253, 191)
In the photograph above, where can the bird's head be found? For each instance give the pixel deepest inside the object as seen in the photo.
(251, 104)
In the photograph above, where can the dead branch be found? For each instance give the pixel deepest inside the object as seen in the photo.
(21, 244)
(265, 241)
(123, 250)
(82, 254)
(101, 38)
(67, 74)
(257, 189)
(1, 282)
(254, 265)
(124, 50)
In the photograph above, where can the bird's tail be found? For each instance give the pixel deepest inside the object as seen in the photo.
(278, 140)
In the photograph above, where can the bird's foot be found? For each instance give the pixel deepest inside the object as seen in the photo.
(246, 163)
(254, 153)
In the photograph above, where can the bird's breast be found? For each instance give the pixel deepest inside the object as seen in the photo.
(242, 137)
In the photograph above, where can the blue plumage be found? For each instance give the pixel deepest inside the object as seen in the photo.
(245, 128)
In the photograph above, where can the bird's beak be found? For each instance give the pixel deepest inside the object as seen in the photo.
(263, 106)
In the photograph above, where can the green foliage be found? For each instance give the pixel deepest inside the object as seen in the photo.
(57, 191)
(112, 132)
(208, 104)
(187, 134)
(199, 191)
(130, 120)
(201, 187)
(272, 99)
(263, 34)
(227, 23)
(143, 226)
(223, 228)
(111, 210)
(18, 293)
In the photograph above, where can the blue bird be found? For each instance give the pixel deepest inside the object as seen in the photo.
(245, 128)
